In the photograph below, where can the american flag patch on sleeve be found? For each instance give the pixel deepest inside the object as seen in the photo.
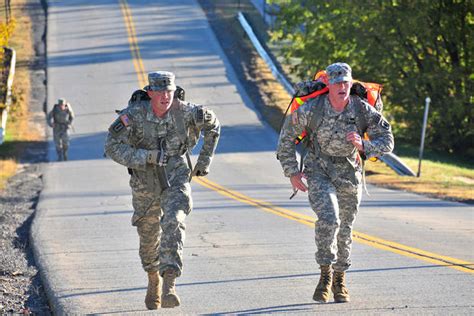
(124, 119)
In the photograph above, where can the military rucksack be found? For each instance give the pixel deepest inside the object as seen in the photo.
(140, 95)
(306, 90)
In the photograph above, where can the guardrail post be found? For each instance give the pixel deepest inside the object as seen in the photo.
(423, 130)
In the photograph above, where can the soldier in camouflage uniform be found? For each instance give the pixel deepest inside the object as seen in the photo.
(60, 119)
(152, 137)
(335, 123)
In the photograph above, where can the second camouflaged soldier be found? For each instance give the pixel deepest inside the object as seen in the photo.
(335, 123)
(152, 137)
(60, 119)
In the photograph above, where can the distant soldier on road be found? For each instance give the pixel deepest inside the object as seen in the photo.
(60, 119)
(153, 137)
(335, 123)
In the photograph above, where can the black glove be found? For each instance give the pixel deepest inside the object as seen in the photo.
(179, 93)
(200, 170)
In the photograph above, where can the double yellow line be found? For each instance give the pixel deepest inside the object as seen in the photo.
(394, 247)
(372, 241)
(132, 40)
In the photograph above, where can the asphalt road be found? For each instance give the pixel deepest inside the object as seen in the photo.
(249, 250)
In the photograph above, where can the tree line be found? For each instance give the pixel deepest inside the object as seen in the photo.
(415, 49)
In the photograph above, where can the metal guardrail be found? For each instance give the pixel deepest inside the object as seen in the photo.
(8, 94)
(263, 53)
(390, 160)
(397, 165)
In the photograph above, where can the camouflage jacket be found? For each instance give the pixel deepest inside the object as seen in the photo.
(138, 130)
(328, 139)
(59, 117)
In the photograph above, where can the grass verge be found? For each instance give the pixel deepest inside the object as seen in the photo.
(20, 132)
(8, 169)
(440, 177)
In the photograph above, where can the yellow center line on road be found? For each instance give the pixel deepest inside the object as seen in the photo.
(372, 241)
(132, 40)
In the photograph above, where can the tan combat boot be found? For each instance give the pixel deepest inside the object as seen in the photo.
(341, 294)
(169, 298)
(152, 298)
(321, 294)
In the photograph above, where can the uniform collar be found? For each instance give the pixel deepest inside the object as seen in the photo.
(151, 117)
(332, 113)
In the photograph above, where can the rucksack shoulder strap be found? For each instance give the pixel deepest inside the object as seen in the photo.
(177, 112)
(316, 113)
(183, 132)
(314, 121)
(361, 120)
(139, 95)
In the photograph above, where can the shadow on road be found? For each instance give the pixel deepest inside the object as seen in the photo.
(102, 213)
(234, 139)
(289, 276)
(245, 139)
(82, 147)
(409, 203)
(151, 45)
(273, 309)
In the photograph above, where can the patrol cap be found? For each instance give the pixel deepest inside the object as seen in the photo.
(61, 101)
(160, 81)
(339, 72)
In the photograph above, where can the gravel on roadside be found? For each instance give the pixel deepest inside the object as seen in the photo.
(21, 291)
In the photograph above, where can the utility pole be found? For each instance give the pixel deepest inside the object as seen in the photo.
(425, 120)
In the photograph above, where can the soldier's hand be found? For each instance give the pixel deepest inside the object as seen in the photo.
(153, 157)
(356, 140)
(200, 170)
(297, 182)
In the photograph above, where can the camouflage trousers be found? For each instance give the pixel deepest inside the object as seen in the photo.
(61, 138)
(159, 219)
(336, 203)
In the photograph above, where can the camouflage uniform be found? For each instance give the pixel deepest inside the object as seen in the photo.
(60, 121)
(159, 213)
(333, 167)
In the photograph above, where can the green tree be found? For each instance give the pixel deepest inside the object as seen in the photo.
(415, 48)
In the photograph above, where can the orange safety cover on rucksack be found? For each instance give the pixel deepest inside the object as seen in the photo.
(368, 91)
